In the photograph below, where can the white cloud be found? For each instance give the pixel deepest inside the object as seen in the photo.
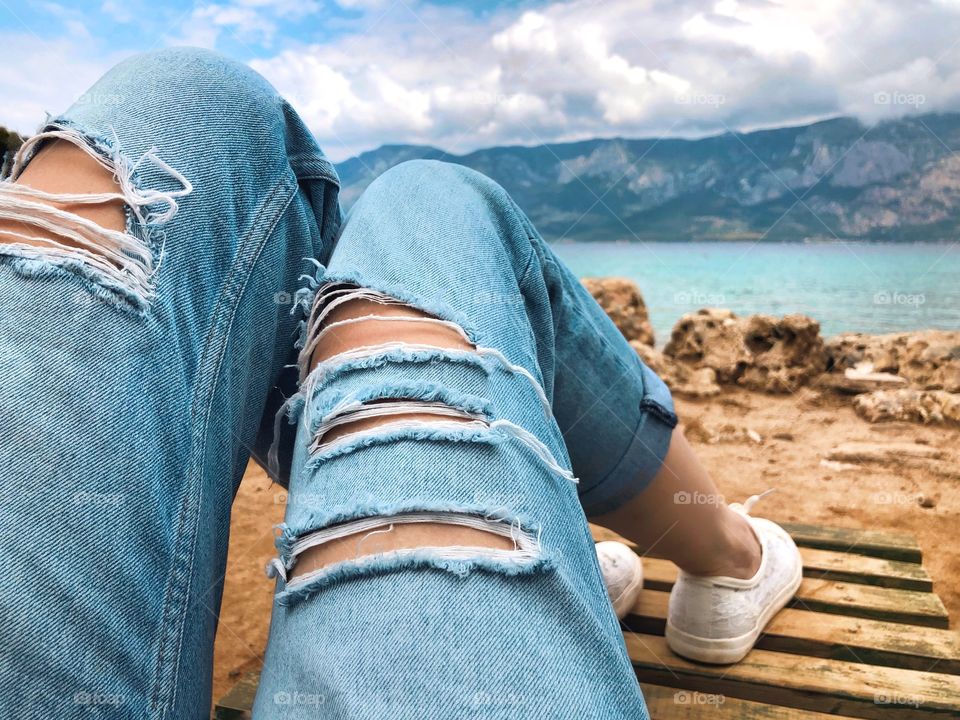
(408, 71)
(579, 69)
(36, 83)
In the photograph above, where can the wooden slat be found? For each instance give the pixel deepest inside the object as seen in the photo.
(836, 565)
(238, 703)
(864, 569)
(857, 600)
(666, 703)
(891, 546)
(832, 686)
(837, 637)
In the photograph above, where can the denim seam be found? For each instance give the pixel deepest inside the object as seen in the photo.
(227, 306)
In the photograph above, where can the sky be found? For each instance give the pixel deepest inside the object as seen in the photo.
(465, 75)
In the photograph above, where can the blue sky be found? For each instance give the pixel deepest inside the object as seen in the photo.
(463, 75)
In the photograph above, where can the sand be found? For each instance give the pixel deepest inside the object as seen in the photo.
(797, 432)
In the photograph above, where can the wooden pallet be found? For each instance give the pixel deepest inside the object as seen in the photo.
(865, 637)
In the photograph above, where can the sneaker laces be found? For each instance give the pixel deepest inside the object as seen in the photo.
(746, 506)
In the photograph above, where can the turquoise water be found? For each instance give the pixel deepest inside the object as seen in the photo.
(847, 287)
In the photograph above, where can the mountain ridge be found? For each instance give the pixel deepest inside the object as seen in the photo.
(896, 181)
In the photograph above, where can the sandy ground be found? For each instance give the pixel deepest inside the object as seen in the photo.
(873, 495)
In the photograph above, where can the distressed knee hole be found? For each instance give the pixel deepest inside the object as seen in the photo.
(397, 413)
(430, 537)
(346, 319)
(68, 203)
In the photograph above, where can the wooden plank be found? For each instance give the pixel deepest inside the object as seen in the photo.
(666, 703)
(876, 543)
(836, 565)
(830, 686)
(837, 637)
(864, 569)
(238, 703)
(867, 601)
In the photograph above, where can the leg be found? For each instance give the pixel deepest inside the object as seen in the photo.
(142, 241)
(682, 516)
(435, 558)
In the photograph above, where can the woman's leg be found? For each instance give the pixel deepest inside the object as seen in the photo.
(146, 237)
(435, 559)
(683, 517)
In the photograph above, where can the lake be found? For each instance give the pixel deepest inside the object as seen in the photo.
(873, 288)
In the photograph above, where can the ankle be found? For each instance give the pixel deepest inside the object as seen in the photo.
(737, 550)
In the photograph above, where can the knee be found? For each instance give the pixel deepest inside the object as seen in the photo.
(442, 183)
(178, 83)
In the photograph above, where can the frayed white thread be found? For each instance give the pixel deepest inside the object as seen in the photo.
(503, 427)
(534, 444)
(354, 411)
(398, 425)
(523, 541)
(390, 318)
(135, 198)
(526, 547)
(332, 363)
(116, 255)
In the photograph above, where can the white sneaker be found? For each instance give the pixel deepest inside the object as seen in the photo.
(718, 619)
(622, 574)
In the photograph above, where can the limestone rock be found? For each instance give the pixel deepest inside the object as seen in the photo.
(621, 300)
(759, 352)
(928, 360)
(881, 452)
(860, 379)
(711, 434)
(911, 405)
(680, 378)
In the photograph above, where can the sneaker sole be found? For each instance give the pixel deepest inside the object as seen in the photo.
(726, 651)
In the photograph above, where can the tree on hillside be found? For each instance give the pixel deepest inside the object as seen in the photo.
(9, 141)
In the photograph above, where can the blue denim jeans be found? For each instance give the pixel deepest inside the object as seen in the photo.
(142, 376)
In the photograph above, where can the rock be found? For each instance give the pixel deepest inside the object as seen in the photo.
(928, 360)
(860, 379)
(696, 429)
(925, 501)
(710, 338)
(924, 406)
(759, 352)
(882, 452)
(788, 437)
(838, 466)
(621, 300)
(681, 379)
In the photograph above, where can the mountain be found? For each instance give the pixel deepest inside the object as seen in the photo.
(898, 180)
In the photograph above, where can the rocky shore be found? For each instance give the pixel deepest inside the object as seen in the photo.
(913, 377)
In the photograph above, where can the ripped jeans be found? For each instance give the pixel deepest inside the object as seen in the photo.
(146, 367)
